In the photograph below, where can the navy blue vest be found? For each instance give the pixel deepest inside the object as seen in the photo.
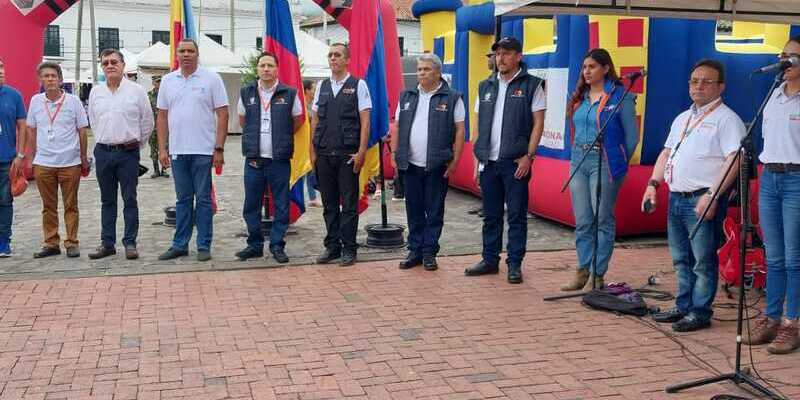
(515, 133)
(339, 127)
(441, 128)
(281, 118)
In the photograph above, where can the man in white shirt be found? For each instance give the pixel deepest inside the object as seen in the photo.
(193, 111)
(427, 139)
(701, 145)
(57, 127)
(340, 126)
(508, 128)
(269, 114)
(122, 122)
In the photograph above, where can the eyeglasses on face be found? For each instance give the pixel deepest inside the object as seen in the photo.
(112, 61)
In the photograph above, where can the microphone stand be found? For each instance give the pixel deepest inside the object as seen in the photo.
(738, 376)
(598, 142)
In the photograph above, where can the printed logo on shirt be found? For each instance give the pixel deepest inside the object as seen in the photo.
(406, 106)
(610, 107)
(487, 97)
(252, 101)
(280, 100)
(707, 126)
(794, 117)
(442, 107)
(348, 90)
(517, 93)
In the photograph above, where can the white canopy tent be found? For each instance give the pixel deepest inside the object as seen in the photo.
(777, 11)
(212, 55)
(312, 52)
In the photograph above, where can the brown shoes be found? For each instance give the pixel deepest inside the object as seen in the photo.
(764, 332)
(786, 340)
(599, 283)
(578, 281)
(102, 252)
(131, 253)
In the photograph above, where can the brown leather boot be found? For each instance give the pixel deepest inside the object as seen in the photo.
(578, 281)
(763, 332)
(599, 282)
(786, 341)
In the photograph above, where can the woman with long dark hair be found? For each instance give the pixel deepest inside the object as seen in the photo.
(779, 212)
(597, 93)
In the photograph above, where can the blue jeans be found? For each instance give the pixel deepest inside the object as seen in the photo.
(696, 262)
(261, 174)
(583, 189)
(117, 169)
(6, 203)
(425, 192)
(779, 212)
(498, 188)
(311, 185)
(192, 175)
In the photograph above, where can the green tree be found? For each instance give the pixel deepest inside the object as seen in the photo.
(249, 71)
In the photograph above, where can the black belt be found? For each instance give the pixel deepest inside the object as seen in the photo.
(696, 193)
(130, 146)
(782, 168)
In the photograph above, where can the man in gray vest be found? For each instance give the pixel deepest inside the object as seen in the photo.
(340, 123)
(510, 107)
(269, 113)
(426, 145)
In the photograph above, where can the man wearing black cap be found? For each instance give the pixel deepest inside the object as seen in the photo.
(510, 108)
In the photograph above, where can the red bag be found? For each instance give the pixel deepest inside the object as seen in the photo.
(755, 264)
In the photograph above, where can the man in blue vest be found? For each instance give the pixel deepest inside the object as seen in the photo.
(510, 108)
(12, 123)
(340, 126)
(426, 145)
(269, 113)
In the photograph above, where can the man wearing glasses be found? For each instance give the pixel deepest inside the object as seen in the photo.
(340, 122)
(122, 122)
(701, 145)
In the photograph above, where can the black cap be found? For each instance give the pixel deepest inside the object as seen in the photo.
(509, 43)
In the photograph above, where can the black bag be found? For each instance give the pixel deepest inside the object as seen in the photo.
(621, 299)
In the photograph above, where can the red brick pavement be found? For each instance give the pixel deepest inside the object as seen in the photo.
(370, 331)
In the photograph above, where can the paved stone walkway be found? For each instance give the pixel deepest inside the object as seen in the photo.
(366, 332)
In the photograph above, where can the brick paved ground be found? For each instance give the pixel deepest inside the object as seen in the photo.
(369, 331)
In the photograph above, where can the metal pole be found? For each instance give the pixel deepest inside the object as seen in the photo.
(200, 18)
(94, 42)
(78, 50)
(233, 32)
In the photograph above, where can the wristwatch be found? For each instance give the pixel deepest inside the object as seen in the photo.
(710, 192)
(219, 149)
(531, 156)
(654, 183)
(21, 156)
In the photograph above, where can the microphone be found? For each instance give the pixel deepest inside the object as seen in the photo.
(781, 65)
(633, 76)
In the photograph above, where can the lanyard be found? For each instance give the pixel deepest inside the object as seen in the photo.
(687, 130)
(264, 103)
(52, 117)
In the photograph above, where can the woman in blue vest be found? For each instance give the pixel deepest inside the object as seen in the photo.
(597, 93)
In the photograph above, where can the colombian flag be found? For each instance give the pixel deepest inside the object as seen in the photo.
(279, 40)
(368, 62)
(181, 25)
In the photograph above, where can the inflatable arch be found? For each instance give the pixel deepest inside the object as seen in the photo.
(553, 48)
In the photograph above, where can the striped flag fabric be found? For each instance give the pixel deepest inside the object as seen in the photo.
(181, 25)
(368, 62)
(279, 40)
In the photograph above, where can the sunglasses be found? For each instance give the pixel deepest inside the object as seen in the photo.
(106, 63)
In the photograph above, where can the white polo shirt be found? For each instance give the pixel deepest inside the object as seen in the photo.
(122, 116)
(265, 144)
(364, 99)
(781, 128)
(190, 103)
(57, 145)
(538, 103)
(418, 140)
(698, 161)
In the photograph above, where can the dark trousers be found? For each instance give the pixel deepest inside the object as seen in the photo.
(338, 184)
(425, 192)
(399, 188)
(261, 174)
(499, 187)
(117, 169)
